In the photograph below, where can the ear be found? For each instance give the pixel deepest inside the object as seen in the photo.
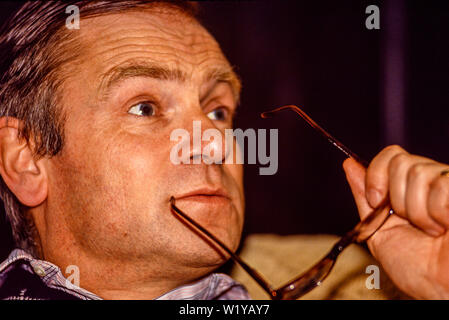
(24, 175)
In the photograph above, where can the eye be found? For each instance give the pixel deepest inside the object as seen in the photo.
(144, 109)
(219, 114)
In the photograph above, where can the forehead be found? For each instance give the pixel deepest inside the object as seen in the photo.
(168, 39)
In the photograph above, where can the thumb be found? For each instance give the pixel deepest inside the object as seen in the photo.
(355, 174)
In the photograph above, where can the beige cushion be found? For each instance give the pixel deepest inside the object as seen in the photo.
(281, 258)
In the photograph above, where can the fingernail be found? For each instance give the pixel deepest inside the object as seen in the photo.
(374, 197)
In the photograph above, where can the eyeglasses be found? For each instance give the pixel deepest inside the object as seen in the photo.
(313, 277)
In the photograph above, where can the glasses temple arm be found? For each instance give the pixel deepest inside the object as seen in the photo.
(318, 128)
(253, 273)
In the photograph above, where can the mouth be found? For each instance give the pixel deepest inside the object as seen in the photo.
(205, 195)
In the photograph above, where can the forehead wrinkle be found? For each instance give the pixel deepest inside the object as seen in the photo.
(205, 56)
(190, 55)
(185, 41)
(155, 49)
(144, 69)
(154, 42)
(114, 51)
(170, 69)
(160, 38)
(180, 28)
(139, 69)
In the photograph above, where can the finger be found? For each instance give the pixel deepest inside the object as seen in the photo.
(398, 174)
(438, 200)
(377, 176)
(398, 171)
(419, 178)
(397, 183)
(355, 174)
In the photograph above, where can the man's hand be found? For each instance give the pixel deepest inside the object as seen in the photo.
(413, 245)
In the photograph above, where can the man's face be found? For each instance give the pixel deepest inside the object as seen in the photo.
(142, 75)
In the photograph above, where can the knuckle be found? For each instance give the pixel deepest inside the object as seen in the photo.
(441, 187)
(438, 202)
(418, 171)
(394, 147)
(399, 161)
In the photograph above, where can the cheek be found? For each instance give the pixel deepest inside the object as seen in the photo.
(116, 155)
(235, 180)
(109, 186)
(135, 166)
(235, 173)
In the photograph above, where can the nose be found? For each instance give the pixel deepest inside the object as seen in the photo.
(203, 140)
(208, 142)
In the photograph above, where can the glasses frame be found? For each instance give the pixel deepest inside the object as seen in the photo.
(314, 276)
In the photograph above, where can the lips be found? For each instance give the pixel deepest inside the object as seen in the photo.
(205, 195)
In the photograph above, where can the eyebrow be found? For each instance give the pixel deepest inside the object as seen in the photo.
(122, 73)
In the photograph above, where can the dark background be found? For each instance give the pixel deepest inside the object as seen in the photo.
(369, 88)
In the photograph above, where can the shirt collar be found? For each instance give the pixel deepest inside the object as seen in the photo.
(49, 273)
(214, 286)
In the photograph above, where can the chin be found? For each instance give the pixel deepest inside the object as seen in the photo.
(207, 254)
